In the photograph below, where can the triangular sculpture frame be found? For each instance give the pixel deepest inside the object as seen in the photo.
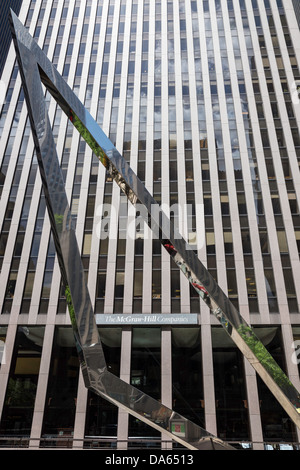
(35, 69)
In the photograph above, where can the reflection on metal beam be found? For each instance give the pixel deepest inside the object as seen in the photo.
(35, 69)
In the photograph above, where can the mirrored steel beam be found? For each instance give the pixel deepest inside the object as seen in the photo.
(181, 253)
(35, 69)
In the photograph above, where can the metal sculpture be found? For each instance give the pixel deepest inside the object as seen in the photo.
(36, 69)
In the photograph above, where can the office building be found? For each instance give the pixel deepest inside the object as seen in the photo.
(201, 99)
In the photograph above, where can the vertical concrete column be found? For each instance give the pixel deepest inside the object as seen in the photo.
(41, 392)
(124, 375)
(208, 380)
(166, 376)
(253, 406)
(80, 416)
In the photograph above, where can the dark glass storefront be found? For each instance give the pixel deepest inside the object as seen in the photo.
(146, 376)
(230, 389)
(21, 389)
(188, 399)
(60, 405)
(101, 424)
(101, 415)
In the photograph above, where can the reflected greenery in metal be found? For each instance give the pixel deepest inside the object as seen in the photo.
(36, 68)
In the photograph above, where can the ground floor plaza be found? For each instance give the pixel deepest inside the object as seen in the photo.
(195, 369)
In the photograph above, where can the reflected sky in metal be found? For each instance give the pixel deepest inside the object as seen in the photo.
(36, 68)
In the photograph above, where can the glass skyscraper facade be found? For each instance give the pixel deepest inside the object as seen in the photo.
(201, 99)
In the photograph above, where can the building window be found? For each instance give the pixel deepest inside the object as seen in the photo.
(101, 415)
(20, 396)
(60, 405)
(230, 389)
(188, 397)
(145, 375)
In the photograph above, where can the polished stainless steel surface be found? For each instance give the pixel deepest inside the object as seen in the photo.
(36, 68)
